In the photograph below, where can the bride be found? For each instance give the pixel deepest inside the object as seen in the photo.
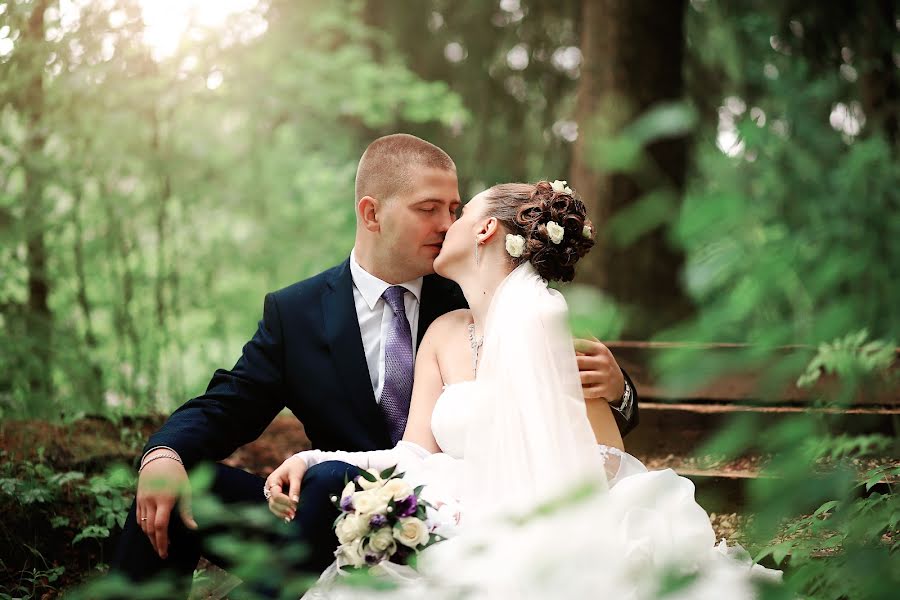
(532, 488)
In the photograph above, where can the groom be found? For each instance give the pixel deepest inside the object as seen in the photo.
(320, 351)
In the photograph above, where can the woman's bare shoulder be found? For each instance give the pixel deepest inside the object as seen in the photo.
(452, 321)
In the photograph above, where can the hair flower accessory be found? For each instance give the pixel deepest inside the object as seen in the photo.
(515, 244)
(555, 231)
(587, 232)
(561, 187)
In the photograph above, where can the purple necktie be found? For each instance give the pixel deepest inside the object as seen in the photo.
(398, 365)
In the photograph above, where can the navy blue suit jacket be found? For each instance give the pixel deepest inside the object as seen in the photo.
(307, 355)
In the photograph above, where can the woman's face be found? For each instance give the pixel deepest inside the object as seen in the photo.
(458, 251)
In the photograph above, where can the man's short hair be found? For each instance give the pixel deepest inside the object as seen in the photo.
(386, 167)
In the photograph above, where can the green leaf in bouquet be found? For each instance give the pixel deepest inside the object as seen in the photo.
(418, 490)
(386, 474)
(367, 476)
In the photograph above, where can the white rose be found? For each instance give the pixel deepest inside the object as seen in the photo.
(349, 490)
(351, 554)
(369, 502)
(396, 489)
(515, 244)
(559, 186)
(351, 527)
(555, 232)
(370, 485)
(411, 532)
(382, 541)
(586, 231)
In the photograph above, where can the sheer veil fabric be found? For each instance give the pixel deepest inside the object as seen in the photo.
(529, 439)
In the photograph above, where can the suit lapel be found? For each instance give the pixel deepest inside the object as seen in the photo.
(345, 344)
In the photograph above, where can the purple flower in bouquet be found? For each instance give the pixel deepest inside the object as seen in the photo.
(407, 507)
(347, 503)
(377, 521)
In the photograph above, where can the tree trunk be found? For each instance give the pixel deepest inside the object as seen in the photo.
(632, 60)
(879, 86)
(94, 386)
(39, 320)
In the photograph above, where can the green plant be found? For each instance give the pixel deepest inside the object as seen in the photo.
(849, 356)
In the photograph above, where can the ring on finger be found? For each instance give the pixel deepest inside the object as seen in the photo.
(267, 491)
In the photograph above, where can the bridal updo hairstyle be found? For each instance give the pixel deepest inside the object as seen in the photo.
(525, 209)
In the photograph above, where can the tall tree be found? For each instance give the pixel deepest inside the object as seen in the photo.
(632, 60)
(31, 105)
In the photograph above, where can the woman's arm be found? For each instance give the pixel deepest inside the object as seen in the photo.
(427, 387)
(606, 430)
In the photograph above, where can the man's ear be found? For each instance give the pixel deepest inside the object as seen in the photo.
(367, 213)
(487, 230)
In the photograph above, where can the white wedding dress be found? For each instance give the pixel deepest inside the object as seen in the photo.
(614, 544)
(529, 504)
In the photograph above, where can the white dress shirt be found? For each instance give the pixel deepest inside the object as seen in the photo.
(375, 317)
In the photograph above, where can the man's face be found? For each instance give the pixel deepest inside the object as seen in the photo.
(459, 243)
(413, 225)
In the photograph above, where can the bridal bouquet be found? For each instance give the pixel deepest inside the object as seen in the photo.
(382, 518)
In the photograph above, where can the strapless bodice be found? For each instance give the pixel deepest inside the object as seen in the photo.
(450, 415)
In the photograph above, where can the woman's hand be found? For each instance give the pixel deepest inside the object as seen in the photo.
(290, 474)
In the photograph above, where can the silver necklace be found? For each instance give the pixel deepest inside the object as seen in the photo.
(475, 344)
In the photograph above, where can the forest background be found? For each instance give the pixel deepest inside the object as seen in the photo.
(164, 164)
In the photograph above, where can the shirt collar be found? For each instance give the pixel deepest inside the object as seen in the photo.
(371, 288)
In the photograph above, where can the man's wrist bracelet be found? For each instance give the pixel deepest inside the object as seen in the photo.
(147, 461)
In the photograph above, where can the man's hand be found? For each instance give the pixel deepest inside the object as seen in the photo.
(160, 485)
(290, 474)
(601, 376)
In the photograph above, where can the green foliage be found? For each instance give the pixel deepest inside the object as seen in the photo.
(29, 483)
(790, 238)
(53, 509)
(163, 197)
(33, 582)
(827, 547)
(112, 494)
(848, 357)
(591, 312)
(157, 198)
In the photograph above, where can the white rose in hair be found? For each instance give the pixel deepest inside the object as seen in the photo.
(411, 532)
(369, 502)
(515, 244)
(555, 232)
(559, 186)
(352, 526)
(586, 231)
(382, 541)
